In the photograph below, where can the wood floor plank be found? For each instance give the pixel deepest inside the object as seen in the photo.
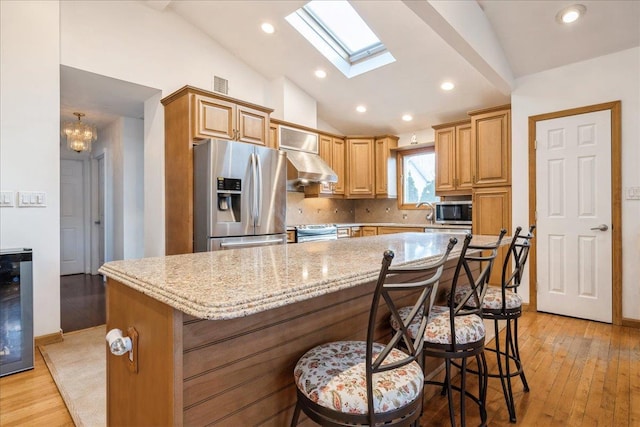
(594, 366)
(621, 413)
(31, 398)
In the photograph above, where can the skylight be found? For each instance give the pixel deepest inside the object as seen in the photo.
(336, 30)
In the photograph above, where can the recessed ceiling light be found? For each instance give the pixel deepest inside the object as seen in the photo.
(268, 28)
(407, 117)
(570, 13)
(321, 74)
(447, 86)
(361, 109)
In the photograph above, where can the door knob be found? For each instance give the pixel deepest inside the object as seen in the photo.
(601, 227)
(118, 344)
(97, 222)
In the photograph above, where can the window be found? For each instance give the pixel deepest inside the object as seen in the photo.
(336, 30)
(417, 172)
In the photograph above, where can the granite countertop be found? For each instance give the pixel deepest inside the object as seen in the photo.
(403, 224)
(240, 282)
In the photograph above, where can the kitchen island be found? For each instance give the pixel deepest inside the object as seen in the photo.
(216, 334)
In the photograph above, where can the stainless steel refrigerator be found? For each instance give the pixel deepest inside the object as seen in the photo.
(240, 195)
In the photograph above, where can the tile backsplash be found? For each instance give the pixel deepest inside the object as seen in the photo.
(321, 211)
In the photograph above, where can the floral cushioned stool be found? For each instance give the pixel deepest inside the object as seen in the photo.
(365, 382)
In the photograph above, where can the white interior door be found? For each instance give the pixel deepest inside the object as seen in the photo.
(71, 217)
(573, 182)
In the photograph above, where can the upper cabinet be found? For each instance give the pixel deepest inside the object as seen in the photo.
(190, 115)
(491, 146)
(221, 118)
(383, 146)
(331, 150)
(360, 163)
(453, 158)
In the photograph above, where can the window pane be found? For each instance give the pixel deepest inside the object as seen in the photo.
(419, 178)
(341, 19)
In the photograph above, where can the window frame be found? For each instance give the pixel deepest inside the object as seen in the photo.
(400, 155)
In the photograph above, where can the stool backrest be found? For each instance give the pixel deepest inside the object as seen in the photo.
(471, 301)
(519, 252)
(391, 288)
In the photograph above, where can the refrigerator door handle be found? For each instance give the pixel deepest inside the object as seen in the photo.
(254, 189)
(259, 190)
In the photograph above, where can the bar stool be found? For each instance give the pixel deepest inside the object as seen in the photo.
(364, 382)
(456, 331)
(504, 303)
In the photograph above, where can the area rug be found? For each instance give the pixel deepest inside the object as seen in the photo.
(78, 367)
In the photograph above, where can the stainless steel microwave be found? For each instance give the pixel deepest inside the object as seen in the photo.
(459, 212)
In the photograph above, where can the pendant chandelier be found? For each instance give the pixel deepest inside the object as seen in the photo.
(79, 135)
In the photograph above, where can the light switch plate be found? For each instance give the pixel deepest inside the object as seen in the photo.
(7, 199)
(32, 199)
(633, 193)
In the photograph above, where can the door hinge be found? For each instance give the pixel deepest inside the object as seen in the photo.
(535, 144)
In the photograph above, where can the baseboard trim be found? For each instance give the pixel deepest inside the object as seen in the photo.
(632, 323)
(48, 339)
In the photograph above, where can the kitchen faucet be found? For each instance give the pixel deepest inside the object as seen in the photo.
(430, 214)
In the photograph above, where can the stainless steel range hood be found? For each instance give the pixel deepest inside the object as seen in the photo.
(305, 166)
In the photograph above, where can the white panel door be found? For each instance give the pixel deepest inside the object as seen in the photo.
(71, 217)
(573, 179)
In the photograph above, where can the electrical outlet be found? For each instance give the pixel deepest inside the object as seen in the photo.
(7, 199)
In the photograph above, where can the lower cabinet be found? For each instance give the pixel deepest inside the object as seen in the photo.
(394, 230)
(369, 231)
(491, 213)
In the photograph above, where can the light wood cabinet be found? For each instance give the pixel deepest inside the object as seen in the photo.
(491, 213)
(360, 158)
(383, 146)
(192, 114)
(369, 231)
(221, 118)
(331, 150)
(394, 230)
(274, 141)
(491, 146)
(453, 158)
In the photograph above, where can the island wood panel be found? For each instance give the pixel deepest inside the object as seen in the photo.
(178, 178)
(260, 356)
(154, 395)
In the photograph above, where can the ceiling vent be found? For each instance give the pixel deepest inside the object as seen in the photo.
(220, 85)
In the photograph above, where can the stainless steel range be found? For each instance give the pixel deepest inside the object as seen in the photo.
(316, 232)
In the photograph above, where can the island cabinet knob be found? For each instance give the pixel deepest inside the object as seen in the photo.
(120, 344)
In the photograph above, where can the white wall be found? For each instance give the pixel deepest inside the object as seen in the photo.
(130, 41)
(604, 79)
(133, 189)
(30, 144)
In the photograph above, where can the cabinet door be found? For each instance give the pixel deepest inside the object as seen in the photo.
(491, 136)
(253, 126)
(326, 153)
(491, 213)
(215, 118)
(394, 230)
(273, 136)
(445, 146)
(464, 163)
(338, 164)
(382, 153)
(360, 163)
(369, 231)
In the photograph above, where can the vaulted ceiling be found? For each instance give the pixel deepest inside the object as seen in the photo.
(483, 47)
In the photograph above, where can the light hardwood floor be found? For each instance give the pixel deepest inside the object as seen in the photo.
(580, 373)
